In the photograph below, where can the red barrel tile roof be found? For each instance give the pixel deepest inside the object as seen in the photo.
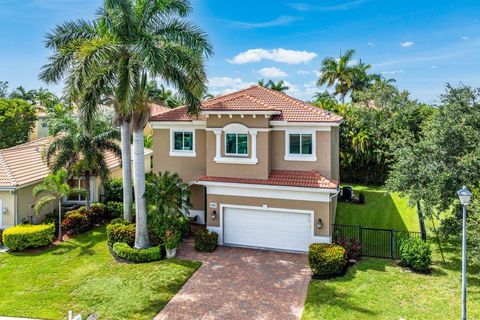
(257, 98)
(288, 178)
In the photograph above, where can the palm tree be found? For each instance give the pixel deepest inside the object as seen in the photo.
(54, 188)
(338, 73)
(277, 86)
(161, 95)
(82, 153)
(113, 54)
(166, 196)
(262, 83)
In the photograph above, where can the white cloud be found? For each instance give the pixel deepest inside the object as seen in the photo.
(393, 72)
(224, 85)
(277, 55)
(371, 44)
(317, 73)
(280, 21)
(272, 73)
(465, 38)
(303, 72)
(433, 67)
(335, 7)
(406, 44)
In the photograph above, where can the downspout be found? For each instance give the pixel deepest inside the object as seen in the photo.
(15, 209)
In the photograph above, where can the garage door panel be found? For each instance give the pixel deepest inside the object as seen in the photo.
(267, 228)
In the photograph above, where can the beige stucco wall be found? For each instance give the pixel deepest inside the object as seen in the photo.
(323, 151)
(8, 200)
(259, 121)
(26, 201)
(189, 168)
(259, 170)
(197, 197)
(321, 210)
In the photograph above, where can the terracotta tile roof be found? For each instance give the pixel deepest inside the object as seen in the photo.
(156, 109)
(289, 178)
(23, 164)
(257, 98)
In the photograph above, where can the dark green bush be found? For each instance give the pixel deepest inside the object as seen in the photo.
(97, 214)
(1, 239)
(327, 260)
(126, 252)
(184, 226)
(28, 236)
(361, 197)
(115, 209)
(206, 241)
(415, 254)
(75, 222)
(113, 190)
(121, 233)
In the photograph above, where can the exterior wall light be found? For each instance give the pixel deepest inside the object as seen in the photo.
(214, 214)
(319, 224)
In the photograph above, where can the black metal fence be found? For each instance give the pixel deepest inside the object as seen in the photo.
(380, 243)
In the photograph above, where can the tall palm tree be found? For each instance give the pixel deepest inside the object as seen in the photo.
(338, 73)
(113, 54)
(277, 86)
(161, 95)
(82, 153)
(54, 188)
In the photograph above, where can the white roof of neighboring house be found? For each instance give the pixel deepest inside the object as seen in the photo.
(23, 164)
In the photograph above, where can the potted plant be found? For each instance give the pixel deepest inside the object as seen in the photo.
(171, 240)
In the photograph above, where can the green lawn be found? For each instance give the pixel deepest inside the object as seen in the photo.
(82, 276)
(381, 210)
(380, 288)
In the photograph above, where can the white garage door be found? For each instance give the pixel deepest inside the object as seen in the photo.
(267, 229)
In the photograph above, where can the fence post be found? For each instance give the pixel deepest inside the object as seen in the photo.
(393, 244)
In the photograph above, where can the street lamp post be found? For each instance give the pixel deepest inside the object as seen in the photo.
(464, 195)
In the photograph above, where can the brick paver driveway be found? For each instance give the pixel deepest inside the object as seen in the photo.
(240, 283)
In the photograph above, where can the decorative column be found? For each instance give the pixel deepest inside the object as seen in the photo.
(253, 135)
(218, 143)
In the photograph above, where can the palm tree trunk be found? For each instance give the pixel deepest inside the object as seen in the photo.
(141, 230)
(126, 170)
(60, 219)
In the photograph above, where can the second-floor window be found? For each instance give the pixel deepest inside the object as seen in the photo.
(183, 141)
(236, 144)
(300, 143)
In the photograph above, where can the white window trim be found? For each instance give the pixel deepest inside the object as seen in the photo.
(181, 153)
(235, 158)
(300, 157)
(234, 154)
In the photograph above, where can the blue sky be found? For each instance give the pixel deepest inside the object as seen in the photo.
(423, 44)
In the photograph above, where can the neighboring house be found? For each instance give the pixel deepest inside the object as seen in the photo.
(40, 130)
(263, 167)
(22, 168)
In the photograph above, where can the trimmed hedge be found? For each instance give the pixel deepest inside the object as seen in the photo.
(114, 209)
(206, 241)
(121, 233)
(126, 252)
(416, 254)
(327, 260)
(28, 236)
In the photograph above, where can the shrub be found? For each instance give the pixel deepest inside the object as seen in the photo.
(327, 260)
(353, 249)
(361, 198)
(113, 190)
(416, 254)
(115, 209)
(120, 221)
(96, 214)
(126, 252)
(28, 236)
(171, 239)
(75, 222)
(121, 233)
(184, 226)
(1, 240)
(206, 241)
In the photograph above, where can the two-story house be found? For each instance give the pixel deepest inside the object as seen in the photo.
(263, 167)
